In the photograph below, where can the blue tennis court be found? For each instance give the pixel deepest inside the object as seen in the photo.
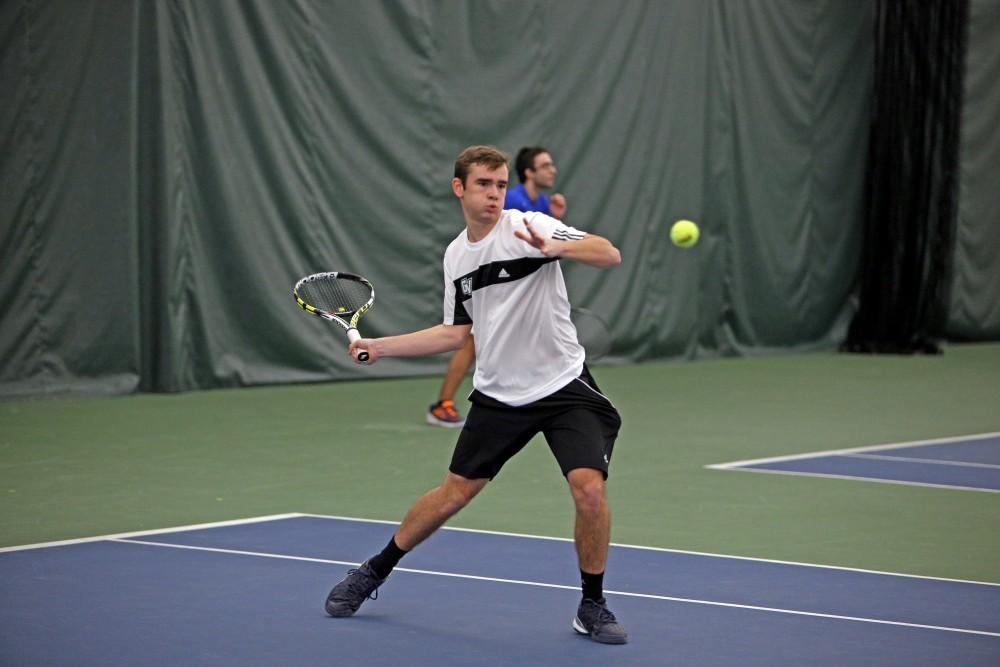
(970, 463)
(251, 593)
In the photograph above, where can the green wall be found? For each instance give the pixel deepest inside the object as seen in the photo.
(170, 169)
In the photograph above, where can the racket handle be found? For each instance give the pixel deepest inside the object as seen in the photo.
(353, 335)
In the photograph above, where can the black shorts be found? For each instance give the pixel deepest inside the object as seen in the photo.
(578, 421)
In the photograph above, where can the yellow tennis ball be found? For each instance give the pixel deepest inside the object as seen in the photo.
(684, 233)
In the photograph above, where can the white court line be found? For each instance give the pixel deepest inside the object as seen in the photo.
(297, 515)
(911, 459)
(879, 480)
(155, 531)
(853, 450)
(860, 452)
(675, 551)
(539, 584)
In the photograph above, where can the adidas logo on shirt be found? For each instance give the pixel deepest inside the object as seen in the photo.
(503, 274)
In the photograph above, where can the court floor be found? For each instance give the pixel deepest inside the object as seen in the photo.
(251, 592)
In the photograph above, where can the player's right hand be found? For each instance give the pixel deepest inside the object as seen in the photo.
(363, 344)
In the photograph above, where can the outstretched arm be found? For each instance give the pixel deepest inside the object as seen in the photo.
(591, 249)
(437, 339)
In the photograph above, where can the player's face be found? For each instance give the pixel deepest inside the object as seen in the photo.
(544, 171)
(482, 193)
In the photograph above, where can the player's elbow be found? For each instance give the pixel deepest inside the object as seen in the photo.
(612, 257)
(455, 336)
(608, 254)
(597, 251)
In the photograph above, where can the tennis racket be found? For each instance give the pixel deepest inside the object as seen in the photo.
(339, 297)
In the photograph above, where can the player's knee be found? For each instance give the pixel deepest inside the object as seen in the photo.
(459, 492)
(588, 490)
(455, 501)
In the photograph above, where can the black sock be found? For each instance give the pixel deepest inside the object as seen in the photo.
(383, 563)
(593, 585)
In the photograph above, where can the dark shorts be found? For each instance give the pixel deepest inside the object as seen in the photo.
(578, 421)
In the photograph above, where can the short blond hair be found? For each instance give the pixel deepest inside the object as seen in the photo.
(488, 156)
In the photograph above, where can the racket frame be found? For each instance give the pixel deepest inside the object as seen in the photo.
(580, 315)
(351, 326)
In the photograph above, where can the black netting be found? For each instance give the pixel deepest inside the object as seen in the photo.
(911, 187)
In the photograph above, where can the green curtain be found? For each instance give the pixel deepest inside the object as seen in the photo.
(69, 268)
(171, 168)
(974, 302)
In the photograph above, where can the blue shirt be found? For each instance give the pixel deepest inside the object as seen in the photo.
(517, 199)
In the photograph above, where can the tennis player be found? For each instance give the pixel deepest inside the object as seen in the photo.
(503, 273)
(536, 171)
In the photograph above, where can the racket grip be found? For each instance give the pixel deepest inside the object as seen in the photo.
(353, 335)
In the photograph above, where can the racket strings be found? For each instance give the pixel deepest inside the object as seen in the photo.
(338, 296)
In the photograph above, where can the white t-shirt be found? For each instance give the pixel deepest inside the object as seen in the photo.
(526, 346)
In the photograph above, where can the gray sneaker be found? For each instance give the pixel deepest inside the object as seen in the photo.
(593, 618)
(358, 586)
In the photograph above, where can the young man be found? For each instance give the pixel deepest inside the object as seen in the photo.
(502, 274)
(536, 171)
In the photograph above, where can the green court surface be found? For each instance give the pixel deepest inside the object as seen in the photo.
(73, 468)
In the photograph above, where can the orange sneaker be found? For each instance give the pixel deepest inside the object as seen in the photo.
(443, 413)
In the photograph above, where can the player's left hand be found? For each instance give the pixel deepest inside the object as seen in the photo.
(548, 247)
